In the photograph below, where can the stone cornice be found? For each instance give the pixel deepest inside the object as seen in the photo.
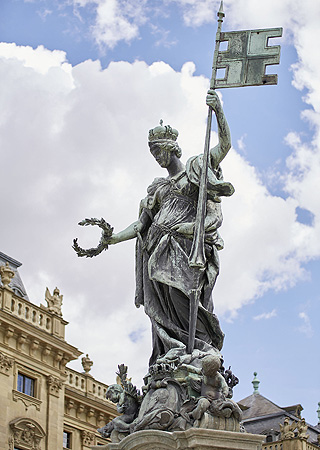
(25, 333)
(91, 401)
(80, 412)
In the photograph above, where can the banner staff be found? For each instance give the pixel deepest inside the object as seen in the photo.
(197, 256)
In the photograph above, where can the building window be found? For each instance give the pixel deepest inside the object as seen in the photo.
(25, 384)
(66, 439)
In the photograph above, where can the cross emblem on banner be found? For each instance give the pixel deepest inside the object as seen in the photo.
(246, 58)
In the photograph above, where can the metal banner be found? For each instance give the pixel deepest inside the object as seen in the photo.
(246, 58)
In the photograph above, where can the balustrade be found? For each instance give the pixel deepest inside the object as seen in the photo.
(35, 315)
(86, 384)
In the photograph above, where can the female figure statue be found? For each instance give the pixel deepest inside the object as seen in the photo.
(165, 230)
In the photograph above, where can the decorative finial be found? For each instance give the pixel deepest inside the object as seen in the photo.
(86, 364)
(255, 383)
(161, 122)
(220, 12)
(318, 411)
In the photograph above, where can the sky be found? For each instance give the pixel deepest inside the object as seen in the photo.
(82, 82)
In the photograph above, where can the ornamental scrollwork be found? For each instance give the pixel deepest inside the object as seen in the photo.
(54, 385)
(6, 364)
(26, 433)
(88, 438)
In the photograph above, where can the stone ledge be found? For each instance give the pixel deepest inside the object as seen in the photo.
(194, 438)
(27, 400)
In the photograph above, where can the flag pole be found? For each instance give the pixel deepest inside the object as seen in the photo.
(197, 257)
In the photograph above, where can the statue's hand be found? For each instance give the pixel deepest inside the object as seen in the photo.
(103, 244)
(186, 228)
(213, 100)
(111, 240)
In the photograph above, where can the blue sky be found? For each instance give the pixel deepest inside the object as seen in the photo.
(83, 81)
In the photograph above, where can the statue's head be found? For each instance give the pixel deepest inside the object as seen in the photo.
(56, 291)
(210, 365)
(163, 145)
(113, 392)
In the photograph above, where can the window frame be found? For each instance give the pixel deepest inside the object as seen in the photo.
(25, 378)
(26, 399)
(69, 434)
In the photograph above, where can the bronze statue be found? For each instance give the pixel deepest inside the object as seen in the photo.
(165, 280)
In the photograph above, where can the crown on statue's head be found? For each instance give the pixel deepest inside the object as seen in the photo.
(163, 133)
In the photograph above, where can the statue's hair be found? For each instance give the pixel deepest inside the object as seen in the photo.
(114, 387)
(211, 364)
(168, 145)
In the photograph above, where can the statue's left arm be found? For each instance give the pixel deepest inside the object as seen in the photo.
(218, 152)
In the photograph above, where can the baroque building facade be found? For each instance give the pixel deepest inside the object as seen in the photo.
(44, 405)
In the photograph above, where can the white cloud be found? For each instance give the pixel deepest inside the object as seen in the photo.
(290, 14)
(266, 316)
(115, 20)
(198, 12)
(39, 59)
(241, 143)
(306, 327)
(261, 235)
(162, 36)
(44, 13)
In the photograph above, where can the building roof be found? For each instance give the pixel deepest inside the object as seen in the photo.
(261, 416)
(256, 405)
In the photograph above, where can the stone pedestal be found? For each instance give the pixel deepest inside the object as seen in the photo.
(194, 438)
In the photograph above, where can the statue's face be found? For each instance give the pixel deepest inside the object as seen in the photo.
(162, 156)
(113, 395)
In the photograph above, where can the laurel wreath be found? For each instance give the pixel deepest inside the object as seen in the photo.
(103, 243)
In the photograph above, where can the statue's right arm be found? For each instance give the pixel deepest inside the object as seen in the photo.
(218, 152)
(131, 231)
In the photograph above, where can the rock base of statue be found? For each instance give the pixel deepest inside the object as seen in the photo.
(194, 438)
(177, 396)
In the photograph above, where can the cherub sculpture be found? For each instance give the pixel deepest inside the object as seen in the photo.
(128, 401)
(214, 392)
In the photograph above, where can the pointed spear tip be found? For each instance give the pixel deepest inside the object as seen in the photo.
(220, 12)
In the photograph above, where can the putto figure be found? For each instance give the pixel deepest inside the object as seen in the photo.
(165, 228)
